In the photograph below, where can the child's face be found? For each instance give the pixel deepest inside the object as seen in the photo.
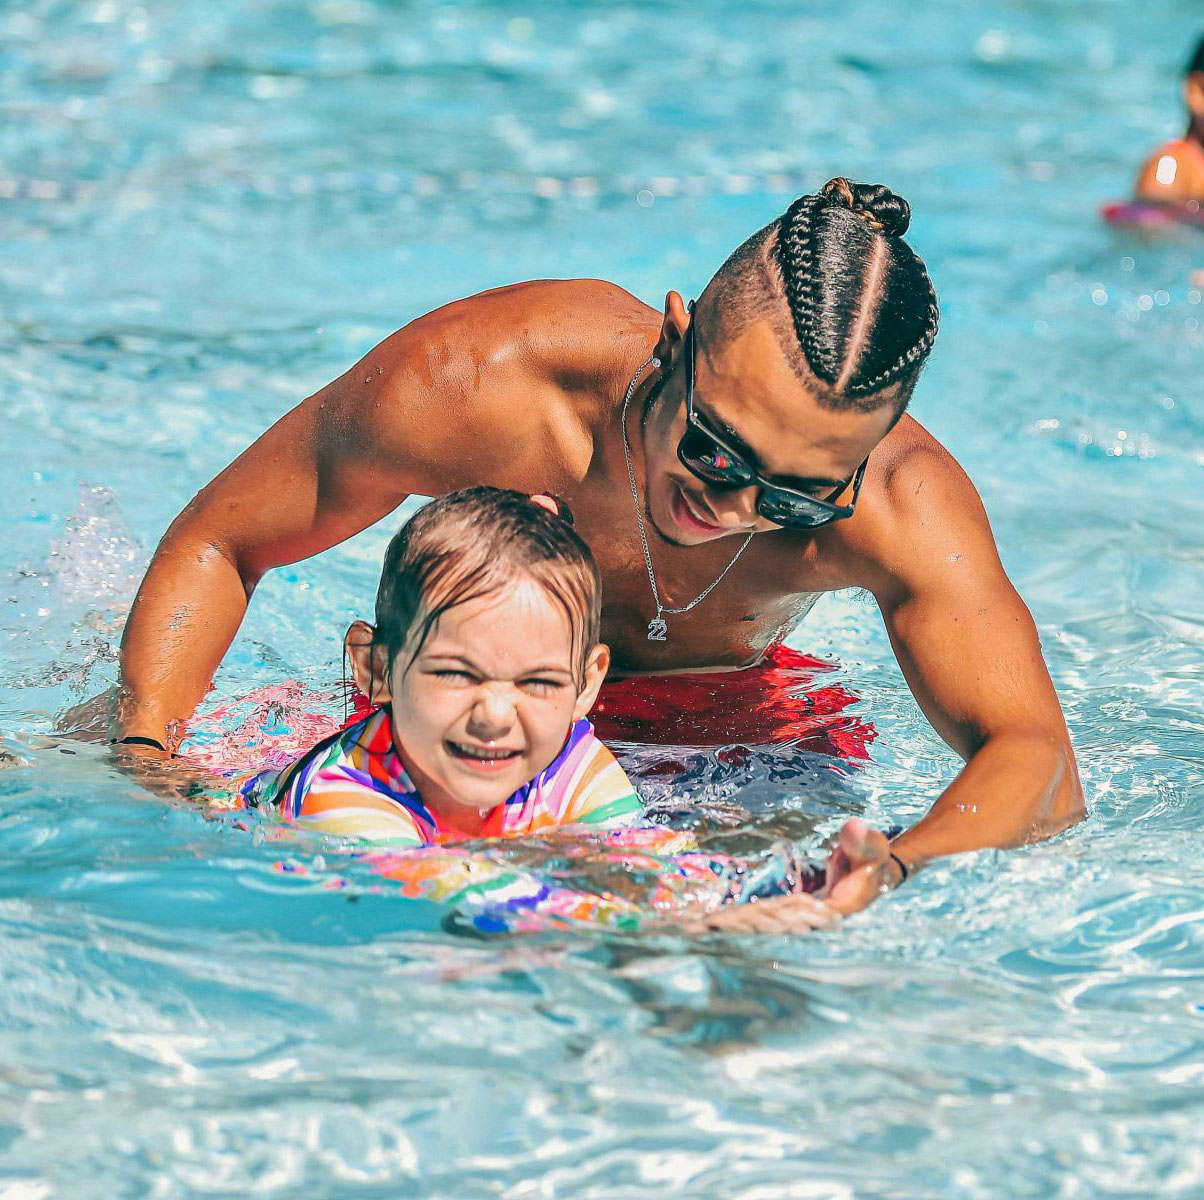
(489, 700)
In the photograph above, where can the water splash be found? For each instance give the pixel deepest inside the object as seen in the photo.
(74, 602)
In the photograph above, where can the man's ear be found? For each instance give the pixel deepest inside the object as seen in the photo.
(597, 663)
(369, 662)
(673, 328)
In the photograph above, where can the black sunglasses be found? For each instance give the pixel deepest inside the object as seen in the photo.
(707, 457)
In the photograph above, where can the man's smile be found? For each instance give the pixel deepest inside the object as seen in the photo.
(695, 520)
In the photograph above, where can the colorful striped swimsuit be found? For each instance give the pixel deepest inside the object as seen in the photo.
(353, 785)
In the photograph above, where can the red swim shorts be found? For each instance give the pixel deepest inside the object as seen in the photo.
(779, 700)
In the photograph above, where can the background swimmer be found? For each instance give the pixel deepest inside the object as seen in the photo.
(1174, 174)
(484, 659)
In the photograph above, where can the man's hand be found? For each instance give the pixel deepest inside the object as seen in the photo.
(781, 914)
(860, 869)
(170, 778)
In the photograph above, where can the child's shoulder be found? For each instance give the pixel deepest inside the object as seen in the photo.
(585, 784)
(348, 784)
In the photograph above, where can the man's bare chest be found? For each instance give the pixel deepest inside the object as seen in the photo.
(761, 597)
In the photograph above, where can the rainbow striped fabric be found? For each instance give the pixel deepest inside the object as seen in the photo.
(353, 785)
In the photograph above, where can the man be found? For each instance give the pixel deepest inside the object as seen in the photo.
(725, 465)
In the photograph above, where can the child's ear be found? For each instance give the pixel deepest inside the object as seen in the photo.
(597, 663)
(369, 662)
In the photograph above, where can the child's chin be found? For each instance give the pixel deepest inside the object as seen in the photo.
(484, 793)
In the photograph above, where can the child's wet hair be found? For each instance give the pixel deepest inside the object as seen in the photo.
(474, 543)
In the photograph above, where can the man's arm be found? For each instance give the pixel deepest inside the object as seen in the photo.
(472, 393)
(970, 653)
(398, 422)
(292, 494)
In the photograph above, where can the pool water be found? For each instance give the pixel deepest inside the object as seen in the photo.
(207, 211)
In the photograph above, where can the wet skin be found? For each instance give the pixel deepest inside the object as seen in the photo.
(522, 387)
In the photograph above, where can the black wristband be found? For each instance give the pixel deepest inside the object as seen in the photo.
(138, 740)
(902, 867)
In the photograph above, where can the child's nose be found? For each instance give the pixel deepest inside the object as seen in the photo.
(492, 713)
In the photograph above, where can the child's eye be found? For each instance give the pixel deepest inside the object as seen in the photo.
(453, 676)
(542, 687)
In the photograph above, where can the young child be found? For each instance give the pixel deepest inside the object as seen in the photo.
(481, 666)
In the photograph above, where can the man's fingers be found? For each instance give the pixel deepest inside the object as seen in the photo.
(852, 839)
(857, 845)
(838, 862)
(786, 914)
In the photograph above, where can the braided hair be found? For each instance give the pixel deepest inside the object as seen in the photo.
(861, 306)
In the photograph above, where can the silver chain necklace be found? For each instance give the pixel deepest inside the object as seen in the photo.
(658, 631)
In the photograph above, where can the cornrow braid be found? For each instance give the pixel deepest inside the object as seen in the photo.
(862, 305)
(800, 278)
(912, 359)
(1196, 63)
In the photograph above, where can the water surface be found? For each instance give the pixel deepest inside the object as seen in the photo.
(208, 212)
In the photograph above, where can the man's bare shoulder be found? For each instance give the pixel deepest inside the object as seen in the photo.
(547, 315)
(529, 364)
(917, 507)
(561, 330)
(908, 459)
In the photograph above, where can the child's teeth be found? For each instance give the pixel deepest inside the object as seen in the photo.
(473, 752)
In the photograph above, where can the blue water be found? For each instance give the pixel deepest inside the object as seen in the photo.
(207, 211)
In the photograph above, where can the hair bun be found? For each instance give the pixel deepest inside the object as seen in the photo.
(883, 209)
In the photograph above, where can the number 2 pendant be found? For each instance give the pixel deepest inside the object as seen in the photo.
(657, 630)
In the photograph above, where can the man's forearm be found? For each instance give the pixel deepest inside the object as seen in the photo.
(1017, 788)
(183, 620)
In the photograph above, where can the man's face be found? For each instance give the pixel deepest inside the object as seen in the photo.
(746, 390)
